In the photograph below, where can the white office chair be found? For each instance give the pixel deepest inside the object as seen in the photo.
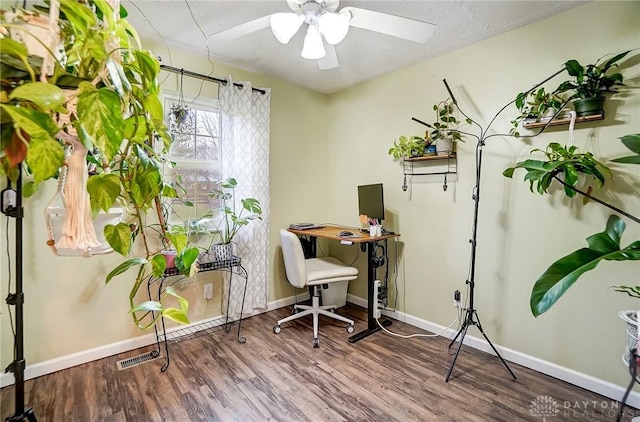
(312, 272)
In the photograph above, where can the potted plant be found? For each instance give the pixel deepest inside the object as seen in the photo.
(563, 273)
(591, 83)
(536, 106)
(408, 146)
(103, 93)
(445, 129)
(230, 220)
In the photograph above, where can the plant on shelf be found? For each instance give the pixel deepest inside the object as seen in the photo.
(99, 90)
(534, 106)
(563, 273)
(408, 146)
(231, 220)
(591, 83)
(444, 131)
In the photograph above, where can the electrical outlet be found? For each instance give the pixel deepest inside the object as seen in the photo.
(456, 299)
(208, 291)
(376, 295)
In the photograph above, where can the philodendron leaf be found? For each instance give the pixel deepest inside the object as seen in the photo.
(633, 143)
(149, 305)
(119, 237)
(178, 240)
(129, 263)
(563, 273)
(185, 261)
(44, 95)
(103, 189)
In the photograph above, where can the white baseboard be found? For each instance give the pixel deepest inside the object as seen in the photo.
(75, 359)
(602, 387)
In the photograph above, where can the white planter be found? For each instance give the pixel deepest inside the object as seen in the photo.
(217, 252)
(631, 318)
(444, 146)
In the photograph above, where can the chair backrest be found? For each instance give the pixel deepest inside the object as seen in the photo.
(294, 261)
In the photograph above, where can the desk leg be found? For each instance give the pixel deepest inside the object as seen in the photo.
(372, 325)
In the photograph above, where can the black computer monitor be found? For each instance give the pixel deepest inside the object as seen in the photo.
(371, 201)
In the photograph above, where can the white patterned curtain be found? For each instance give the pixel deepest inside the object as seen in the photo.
(245, 157)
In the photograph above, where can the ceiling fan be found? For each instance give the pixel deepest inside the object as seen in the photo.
(323, 20)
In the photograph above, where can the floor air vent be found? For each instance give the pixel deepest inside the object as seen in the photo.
(137, 360)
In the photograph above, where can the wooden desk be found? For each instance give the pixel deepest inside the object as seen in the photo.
(366, 242)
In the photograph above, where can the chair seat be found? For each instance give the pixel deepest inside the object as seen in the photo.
(328, 270)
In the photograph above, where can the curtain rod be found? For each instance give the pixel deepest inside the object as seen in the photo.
(204, 77)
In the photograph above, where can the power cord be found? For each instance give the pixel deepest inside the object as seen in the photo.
(419, 334)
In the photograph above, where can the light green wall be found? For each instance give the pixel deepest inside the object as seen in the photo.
(68, 308)
(520, 234)
(322, 147)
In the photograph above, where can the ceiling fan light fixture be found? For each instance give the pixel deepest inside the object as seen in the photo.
(334, 26)
(313, 48)
(285, 25)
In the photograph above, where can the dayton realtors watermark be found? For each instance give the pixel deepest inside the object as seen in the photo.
(547, 407)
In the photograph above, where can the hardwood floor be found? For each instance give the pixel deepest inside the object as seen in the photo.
(282, 378)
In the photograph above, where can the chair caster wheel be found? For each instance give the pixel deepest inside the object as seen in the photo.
(350, 329)
(277, 329)
(316, 343)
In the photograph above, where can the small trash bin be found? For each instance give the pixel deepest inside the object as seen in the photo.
(335, 294)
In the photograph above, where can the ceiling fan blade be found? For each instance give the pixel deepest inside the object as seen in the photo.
(242, 29)
(330, 60)
(396, 26)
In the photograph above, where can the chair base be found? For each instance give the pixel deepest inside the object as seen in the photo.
(315, 309)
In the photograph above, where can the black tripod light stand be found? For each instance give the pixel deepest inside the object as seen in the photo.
(17, 299)
(471, 315)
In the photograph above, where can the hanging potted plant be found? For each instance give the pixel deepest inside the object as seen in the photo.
(592, 83)
(230, 221)
(99, 63)
(566, 271)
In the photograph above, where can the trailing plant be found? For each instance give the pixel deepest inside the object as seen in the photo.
(535, 105)
(231, 221)
(102, 90)
(563, 273)
(446, 124)
(408, 146)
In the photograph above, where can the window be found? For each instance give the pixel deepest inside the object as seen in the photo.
(196, 153)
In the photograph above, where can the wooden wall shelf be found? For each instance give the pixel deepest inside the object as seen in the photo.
(565, 121)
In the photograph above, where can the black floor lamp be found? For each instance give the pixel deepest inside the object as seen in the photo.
(12, 207)
(471, 314)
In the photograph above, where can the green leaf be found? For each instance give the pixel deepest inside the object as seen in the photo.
(44, 157)
(148, 306)
(44, 95)
(119, 237)
(176, 315)
(129, 263)
(17, 50)
(186, 259)
(158, 265)
(33, 122)
(562, 274)
(100, 115)
(633, 143)
(104, 189)
(29, 188)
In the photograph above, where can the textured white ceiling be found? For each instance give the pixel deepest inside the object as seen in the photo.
(187, 24)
